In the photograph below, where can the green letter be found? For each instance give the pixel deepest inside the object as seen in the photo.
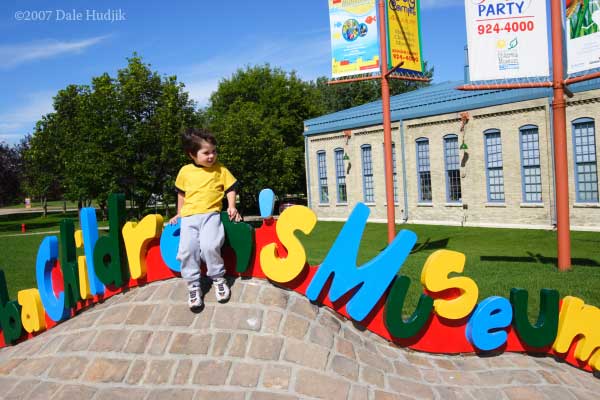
(240, 237)
(108, 252)
(544, 331)
(68, 263)
(10, 314)
(392, 313)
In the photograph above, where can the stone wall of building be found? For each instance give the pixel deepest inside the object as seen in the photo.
(475, 209)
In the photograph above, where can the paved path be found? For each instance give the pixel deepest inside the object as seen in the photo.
(266, 343)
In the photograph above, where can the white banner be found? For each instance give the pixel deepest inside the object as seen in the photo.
(506, 39)
(583, 35)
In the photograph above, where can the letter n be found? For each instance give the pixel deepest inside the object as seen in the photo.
(10, 314)
(371, 279)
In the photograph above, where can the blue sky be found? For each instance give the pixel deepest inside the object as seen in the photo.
(200, 41)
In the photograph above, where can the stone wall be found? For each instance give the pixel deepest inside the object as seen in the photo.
(475, 209)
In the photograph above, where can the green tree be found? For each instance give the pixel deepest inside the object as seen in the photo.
(10, 173)
(341, 96)
(117, 134)
(154, 111)
(42, 162)
(257, 116)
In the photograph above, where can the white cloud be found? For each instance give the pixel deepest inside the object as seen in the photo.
(16, 54)
(308, 55)
(19, 121)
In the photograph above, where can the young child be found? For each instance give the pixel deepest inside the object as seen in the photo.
(201, 186)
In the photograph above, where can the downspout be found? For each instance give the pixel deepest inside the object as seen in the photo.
(307, 163)
(551, 159)
(405, 214)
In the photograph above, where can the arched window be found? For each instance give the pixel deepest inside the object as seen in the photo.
(494, 168)
(340, 176)
(367, 173)
(322, 166)
(452, 162)
(584, 149)
(423, 170)
(531, 172)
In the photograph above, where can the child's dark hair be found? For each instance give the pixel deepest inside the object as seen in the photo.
(192, 139)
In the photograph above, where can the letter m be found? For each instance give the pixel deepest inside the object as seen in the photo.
(578, 320)
(371, 279)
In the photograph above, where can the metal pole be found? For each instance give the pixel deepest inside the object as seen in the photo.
(387, 124)
(561, 174)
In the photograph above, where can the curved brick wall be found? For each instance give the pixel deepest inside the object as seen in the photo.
(266, 343)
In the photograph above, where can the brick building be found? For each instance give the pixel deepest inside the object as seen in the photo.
(495, 171)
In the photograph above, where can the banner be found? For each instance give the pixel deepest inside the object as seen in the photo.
(404, 34)
(583, 35)
(354, 37)
(506, 39)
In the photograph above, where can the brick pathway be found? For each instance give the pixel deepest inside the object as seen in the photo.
(266, 343)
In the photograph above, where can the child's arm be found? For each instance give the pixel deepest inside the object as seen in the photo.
(233, 213)
(180, 198)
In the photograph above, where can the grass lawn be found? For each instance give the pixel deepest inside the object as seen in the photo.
(18, 251)
(497, 259)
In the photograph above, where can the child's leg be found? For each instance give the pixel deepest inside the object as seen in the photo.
(189, 249)
(212, 237)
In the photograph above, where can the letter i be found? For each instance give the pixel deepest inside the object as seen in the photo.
(89, 229)
(84, 284)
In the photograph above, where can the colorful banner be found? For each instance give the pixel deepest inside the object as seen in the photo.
(354, 37)
(583, 35)
(506, 39)
(404, 34)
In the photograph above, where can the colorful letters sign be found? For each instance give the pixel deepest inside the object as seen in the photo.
(371, 294)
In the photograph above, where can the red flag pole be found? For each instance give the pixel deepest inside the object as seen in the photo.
(387, 125)
(561, 170)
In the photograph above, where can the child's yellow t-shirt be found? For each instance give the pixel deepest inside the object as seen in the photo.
(204, 188)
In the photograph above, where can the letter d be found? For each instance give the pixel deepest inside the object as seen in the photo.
(108, 252)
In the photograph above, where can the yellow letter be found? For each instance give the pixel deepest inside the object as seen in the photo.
(286, 269)
(84, 283)
(435, 279)
(575, 319)
(137, 237)
(595, 360)
(32, 313)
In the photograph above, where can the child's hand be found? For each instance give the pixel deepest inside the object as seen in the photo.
(234, 215)
(174, 220)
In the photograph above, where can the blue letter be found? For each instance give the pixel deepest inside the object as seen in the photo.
(485, 327)
(372, 278)
(89, 228)
(169, 245)
(46, 257)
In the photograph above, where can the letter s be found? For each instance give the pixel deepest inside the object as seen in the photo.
(435, 279)
(286, 269)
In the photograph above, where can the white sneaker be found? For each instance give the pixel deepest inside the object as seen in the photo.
(195, 297)
(221, 289)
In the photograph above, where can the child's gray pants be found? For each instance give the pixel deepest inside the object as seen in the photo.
(201, 239)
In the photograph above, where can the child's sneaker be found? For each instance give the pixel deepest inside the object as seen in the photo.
(222, 291)
(195, 297)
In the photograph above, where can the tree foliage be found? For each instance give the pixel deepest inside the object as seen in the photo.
(258, 118)
(116, 134)
(10, 173)
(341, 96)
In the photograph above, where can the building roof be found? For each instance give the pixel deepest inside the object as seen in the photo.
(432, 100)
